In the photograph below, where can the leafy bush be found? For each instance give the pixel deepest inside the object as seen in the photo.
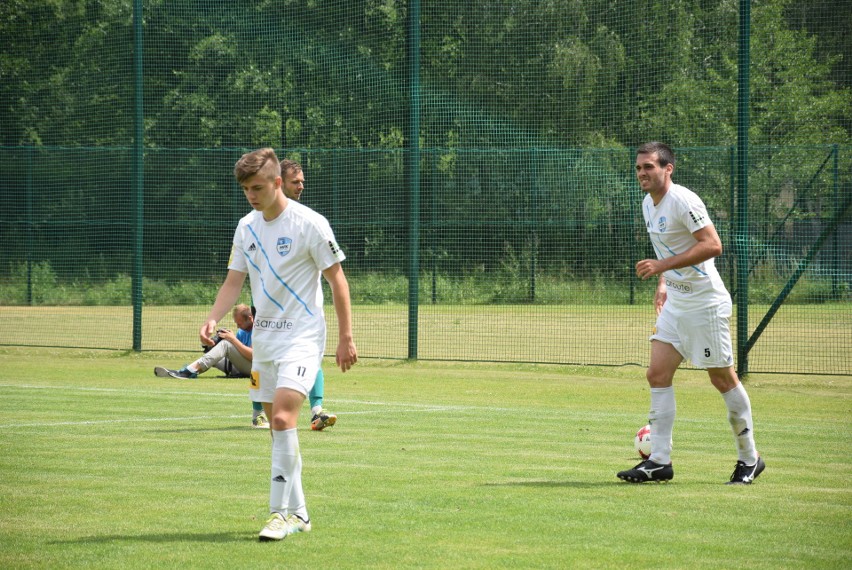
(479, 287)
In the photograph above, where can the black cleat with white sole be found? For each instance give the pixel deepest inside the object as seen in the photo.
(744, 474)
(647, 471)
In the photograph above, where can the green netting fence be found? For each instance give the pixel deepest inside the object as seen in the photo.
(474, 158)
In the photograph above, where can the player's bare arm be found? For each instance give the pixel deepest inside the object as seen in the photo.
(708, 245)
(347, 353)
(228, 295)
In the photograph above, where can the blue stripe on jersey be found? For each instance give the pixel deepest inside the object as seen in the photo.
(661, 255)
(280, 280)
(673, 254)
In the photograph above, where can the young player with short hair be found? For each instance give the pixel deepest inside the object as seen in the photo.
(284, 247)
(693, 315)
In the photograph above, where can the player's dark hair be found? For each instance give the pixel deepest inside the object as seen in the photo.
(287, 165)
(665, 154)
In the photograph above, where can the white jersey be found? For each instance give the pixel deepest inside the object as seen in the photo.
(284, 258)
(670, 225)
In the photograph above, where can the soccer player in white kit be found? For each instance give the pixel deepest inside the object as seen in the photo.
(283, 247)
(693, 315)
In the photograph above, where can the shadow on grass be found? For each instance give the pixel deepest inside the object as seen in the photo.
(162, 537)
(570, 484)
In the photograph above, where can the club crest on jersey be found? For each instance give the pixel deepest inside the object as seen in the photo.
(284, 245)
(661, 223)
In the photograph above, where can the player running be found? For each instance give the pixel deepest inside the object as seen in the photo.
(693, 315)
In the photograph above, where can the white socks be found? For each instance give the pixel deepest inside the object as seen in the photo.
(661, 417)
(285, 494)
(739, 416)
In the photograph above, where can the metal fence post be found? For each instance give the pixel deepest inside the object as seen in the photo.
(412, 173)
(139, 176)
(742, 237)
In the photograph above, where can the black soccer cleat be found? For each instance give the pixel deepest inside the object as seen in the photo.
(744, 474)
(322, 420)
(647, 471)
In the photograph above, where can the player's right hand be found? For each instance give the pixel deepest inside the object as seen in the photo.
(660, 299)
(206, 333)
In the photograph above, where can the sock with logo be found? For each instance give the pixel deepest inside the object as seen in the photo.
(286, 485)
(739, 416)
(316, 393)
(661, 417)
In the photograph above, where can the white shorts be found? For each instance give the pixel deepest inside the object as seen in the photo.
(702, 336)
(298, 374)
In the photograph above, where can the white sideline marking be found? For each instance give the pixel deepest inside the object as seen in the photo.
(128, 420)
(425, 407)
(399, 407)
(192, 418)
(402, 407)
(245, 395)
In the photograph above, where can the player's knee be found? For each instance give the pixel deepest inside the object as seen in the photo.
(658, 378)
(724, 380)
(282, 420)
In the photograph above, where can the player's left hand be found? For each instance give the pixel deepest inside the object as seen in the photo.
(347, 355)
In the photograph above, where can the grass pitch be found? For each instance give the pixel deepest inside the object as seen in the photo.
(431, 465)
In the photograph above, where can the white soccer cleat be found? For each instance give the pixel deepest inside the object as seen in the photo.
(260, 422)
(297, 524)
(279, 528)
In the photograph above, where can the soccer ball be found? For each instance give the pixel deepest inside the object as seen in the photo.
(642, 442)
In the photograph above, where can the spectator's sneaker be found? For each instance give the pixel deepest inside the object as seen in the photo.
(322, 420)
(183, 373)
(161, 372)
(278, 528)
(745, 474)
(260, 421)
(647, 471)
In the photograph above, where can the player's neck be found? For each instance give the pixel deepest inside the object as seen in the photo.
(661, 193)
(275, 209)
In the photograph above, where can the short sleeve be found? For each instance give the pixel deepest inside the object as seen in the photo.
(237, 259)
(695, 214)
(324, 247)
